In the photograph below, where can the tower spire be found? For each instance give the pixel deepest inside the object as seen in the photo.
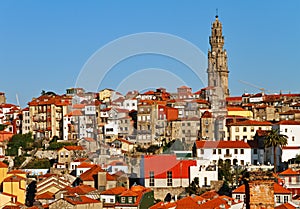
(217, 58)
(217, 13)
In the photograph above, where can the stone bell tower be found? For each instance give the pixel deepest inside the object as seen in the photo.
(217, 59)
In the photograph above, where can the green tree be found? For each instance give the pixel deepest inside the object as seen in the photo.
(275, 139)
(20, 140)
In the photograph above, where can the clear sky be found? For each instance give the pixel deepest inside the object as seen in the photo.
(45, 44)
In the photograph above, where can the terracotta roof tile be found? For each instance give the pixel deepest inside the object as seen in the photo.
(289, 171)
(114, 191)
(3, 165)
(251, 123)
(288, 122)
(85, 165)
(129, 193)
(207, 114)
(89, 174)
(210, 194)
(46, 195)
(285, 206)
(73, 148)
(221, 144)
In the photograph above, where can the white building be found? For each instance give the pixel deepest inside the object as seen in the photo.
(235, 152)
(25, 121)
(205, 172)
(247, 129)
(291, 129)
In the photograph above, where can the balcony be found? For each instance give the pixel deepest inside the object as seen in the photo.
(228, 155)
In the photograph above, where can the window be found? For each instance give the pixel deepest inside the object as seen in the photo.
(151, 180)
(293, 138)
(277, 198)
(237, 138)
(244, 129)
(219, 151)
(285, 130)
(242, 151)
(285, 198)
(169, 178)
(205, 181)
(242, 162)
(129, 199)
(122, 199)
(255, 151)
(214, 151)
(236, 151)
(238, 197)
(202, 151)
(111, 200)
(237, 129)
(252, 129)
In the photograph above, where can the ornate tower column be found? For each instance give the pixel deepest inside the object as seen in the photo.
(217, 59)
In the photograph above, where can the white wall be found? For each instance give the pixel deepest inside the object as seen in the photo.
(201, 171)
(208, 154)
(162, 183)
(293, 134)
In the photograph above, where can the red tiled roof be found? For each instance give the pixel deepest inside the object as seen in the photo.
(288, 122)
(14, 178)
(251, 123)
(160, 164)
(221, 144)
(290, 112)
(46, 195)
(289, 171)
(163, 205)
(85, 165)
(110, 177)
(89, 174)
(78, 106)
(206, 114)
(73, 147)
(215, 204)
(210, 195)
(187, 203)
(114, 191)
(234, 99)
(3, 165)
(236, 109)
(285, 206)
(75, 113)
(129, 193)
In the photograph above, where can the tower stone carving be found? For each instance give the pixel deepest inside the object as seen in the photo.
(217, 59)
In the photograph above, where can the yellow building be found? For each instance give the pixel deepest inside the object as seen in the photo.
(47, 113)
(3, 171)
(239, 111)
(13, 186)
(105, 95)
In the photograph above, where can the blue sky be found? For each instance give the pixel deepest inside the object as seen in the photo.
(45, 44)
